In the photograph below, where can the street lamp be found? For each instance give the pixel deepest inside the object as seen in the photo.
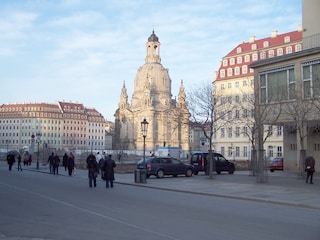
(38, 142)
(144, 129)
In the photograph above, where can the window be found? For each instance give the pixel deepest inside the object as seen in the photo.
(279, 52)
(222, 135)
(229, 85)
(271, 53)
(237, 151)
(230, 132)
(244, 83)
(239, 50)
(237, 84)
(232, 61)
(222, 100)
(222, 115)
(288, 49)
(225, 63)
(254, 57)
(237, 71)
(287, 39)
(253, 46)
(277, 85)
(222, 86)
(230, 99)
(229, 72)
(239, 60)
(245, 151)
(263, 55)
(245, 113)
(247, 58)
(244, 69)
(222, 73)
(245, 131)
(237, 99)
(237, 116)
(229, 115)
(237, 131)
(265, 44)
(311, 79)
(298, 47)
(279, 131)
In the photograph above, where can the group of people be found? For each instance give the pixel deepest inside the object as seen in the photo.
(100, 164)
(67, 162)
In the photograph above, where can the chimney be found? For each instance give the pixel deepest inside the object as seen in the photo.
(252, 39)
(300, 28)
(274, 33)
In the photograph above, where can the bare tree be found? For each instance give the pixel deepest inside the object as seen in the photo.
(203, 103)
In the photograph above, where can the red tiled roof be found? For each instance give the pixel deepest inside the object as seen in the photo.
(278, 41)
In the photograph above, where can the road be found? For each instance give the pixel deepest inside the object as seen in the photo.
(43, 206)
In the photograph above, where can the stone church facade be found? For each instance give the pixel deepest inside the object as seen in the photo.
(152, 100)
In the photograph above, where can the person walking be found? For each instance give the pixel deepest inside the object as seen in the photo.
(309, 168)
(10, 159)
(93, 170)
(65, 161)
(70, 164)
(50, 161)
(101, 166)
(19, 163)
(56, 162)
(108, 168)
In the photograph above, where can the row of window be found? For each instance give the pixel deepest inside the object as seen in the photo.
(245, 98)
(237, 84)
(237, 132)
(263, 55)
(280, 84)
(273, 151)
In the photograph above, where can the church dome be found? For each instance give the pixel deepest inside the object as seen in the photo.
(153, 37)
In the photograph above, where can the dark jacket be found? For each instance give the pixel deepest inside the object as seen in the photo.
(309, 165)
(10, 158)
(65, 160)
(108, 168)
(92, 164)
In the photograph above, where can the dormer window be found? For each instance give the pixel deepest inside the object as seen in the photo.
(287, 39)
(254, 46)
(279, 52)
(298, 47)
(271, 53)
(265, 44)
(225, 63)
(288, 49)
(239, 50)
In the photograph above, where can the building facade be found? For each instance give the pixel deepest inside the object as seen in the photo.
(64, 126)
(287, 90)
(234, 89)
(152, 100)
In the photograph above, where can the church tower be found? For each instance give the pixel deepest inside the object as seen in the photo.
(152, 99)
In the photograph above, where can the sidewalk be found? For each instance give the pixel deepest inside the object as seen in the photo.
(284, 188)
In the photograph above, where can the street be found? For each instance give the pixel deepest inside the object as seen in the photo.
(44, 206)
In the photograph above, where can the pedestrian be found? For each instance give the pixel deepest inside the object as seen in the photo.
(309, 168)
(19, 163)
(70, 164)
(50, 161)
(11, 160)
(93, 170)
(56, 162)
(98, 157)
(108, 168)
(101, 166)
(30, 160)
(65, 161)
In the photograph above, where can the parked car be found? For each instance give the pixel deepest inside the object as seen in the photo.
(161, 166)
(276, 164)
(200, 159)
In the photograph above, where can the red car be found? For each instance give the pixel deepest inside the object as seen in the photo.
(276, 164)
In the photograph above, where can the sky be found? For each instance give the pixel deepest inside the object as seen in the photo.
(84, 51)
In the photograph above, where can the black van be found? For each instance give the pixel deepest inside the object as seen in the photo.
(200, 162)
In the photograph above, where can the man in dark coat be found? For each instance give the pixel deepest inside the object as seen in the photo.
(108, 168)
(10, 159)
(309, 168)
(93, 170)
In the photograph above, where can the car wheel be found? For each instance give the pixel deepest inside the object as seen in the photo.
(189, 173)
(218, 172)
(160, 173)
(196, 173)
(231, 171)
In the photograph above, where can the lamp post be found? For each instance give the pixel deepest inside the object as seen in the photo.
(143, 171)
(38, 142)
(144, 129)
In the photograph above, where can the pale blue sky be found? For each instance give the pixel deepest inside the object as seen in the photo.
(82, 51)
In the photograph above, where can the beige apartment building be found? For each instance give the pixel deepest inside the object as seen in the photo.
(152, 100)
(64, 126)
(234, 89)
